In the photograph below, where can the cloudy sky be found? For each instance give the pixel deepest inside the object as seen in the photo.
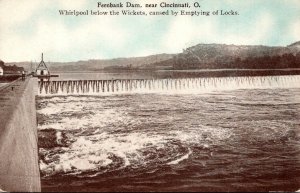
(30, 27)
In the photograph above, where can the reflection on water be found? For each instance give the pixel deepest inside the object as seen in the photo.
(105, 75)
(239, 140)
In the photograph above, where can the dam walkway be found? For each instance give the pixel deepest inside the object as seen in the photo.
(19, 168)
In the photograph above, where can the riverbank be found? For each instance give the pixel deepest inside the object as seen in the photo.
(8, 78)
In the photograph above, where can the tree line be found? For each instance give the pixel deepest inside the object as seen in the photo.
(188, 61)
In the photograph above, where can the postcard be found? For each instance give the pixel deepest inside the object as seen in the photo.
(149, 95)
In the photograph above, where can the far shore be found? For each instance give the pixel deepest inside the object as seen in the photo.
(171, 70)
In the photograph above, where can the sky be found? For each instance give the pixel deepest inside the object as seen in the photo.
(31, 27)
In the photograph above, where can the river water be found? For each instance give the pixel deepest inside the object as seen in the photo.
(221, 140)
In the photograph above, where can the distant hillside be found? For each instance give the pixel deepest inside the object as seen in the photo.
(295, 47)
(297, 44)
(217, 56)
(96, 65)
(201, 56)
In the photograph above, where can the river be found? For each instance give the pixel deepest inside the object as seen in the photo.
(243, 139)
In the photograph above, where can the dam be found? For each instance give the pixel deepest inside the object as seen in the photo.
(20, 170)
(175, 86)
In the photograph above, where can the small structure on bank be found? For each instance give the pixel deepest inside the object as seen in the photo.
(8, 70)
(1, 70)
(42, 69)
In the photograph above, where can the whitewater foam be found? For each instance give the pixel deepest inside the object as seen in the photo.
(88, 153)
(180, 159)
(78, 115)
(58, 137)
